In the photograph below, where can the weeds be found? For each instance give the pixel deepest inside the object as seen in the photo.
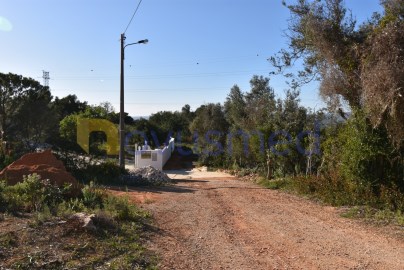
(377, 216)
(94, 196)
(281, 183)
(8, 239)
(115, 244)
(384, 207)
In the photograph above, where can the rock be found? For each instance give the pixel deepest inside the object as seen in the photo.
(146, 176)
(86, 219)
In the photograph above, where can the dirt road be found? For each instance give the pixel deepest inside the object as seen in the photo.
(213, 221)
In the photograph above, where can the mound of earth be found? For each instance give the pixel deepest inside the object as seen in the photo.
(44, 164)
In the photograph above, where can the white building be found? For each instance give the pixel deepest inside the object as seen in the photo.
(156, 158)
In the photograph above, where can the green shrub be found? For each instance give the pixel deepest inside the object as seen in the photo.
(93, 196)
(363, 151)
(32, 189)
(14, 199)
(71, 206)
(122, 209)
(5, 160)
(106, 172)
(42, 216)
(88, 169)
(360, 166)
(33, 194)
(54, 195)
(2, 199)
(281, 183)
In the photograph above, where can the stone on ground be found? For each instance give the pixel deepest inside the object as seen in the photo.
(146, 176)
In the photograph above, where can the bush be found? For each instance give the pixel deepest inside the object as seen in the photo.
(24, 196)
(364, 152)
(87, 168)
(5, 160)
(281, 183)
(2, 199)
(122, 209)
(71, 206)
(93, 196)
(53, 195)
(106, 172)
(33, 194)
(14, 199)
(361, 167)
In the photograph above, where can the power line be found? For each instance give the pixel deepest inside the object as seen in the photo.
(134, 13)
(159, 90)
(162, 76)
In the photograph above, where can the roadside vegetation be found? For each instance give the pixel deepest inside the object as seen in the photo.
(39, 229)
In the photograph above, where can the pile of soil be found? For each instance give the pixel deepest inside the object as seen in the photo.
(44, 164)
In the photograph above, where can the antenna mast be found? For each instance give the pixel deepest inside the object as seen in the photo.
(46, 78)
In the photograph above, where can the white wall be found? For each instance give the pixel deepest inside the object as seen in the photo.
(156, 158)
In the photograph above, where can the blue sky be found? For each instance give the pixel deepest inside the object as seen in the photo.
(197, 50)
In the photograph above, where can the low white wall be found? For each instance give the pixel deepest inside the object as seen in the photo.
(156, 158)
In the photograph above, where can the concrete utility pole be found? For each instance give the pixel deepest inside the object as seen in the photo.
(122, 101)
(122, 108)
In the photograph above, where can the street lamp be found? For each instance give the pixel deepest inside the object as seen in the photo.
(122, 101)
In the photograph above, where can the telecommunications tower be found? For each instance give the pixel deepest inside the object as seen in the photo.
(45, 77)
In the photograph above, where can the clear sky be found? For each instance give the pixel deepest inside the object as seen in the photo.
(197, 50)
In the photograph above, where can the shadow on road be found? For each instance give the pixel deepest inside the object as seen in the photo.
(158, 190)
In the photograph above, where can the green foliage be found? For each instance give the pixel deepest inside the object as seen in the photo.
(5, 160)
(210, 126)
(89, 168)
(93, 196)
(280, 183)
(68, 127)
(356, 169)
(114, 244)
(26, 115)
(71, 206)
(33, 194)
(8, 240)
(68, 105)
(363, 151)
(122, 209)
(234, 107)
(163, 123)
(24, 196)
(14, 199)
(378, 216)
(104, 172)
(31, 188)
(259, 123)
(2, 199)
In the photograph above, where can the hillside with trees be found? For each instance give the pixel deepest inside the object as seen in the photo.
(350, 153)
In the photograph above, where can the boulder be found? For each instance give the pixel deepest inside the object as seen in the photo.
(86, 220)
